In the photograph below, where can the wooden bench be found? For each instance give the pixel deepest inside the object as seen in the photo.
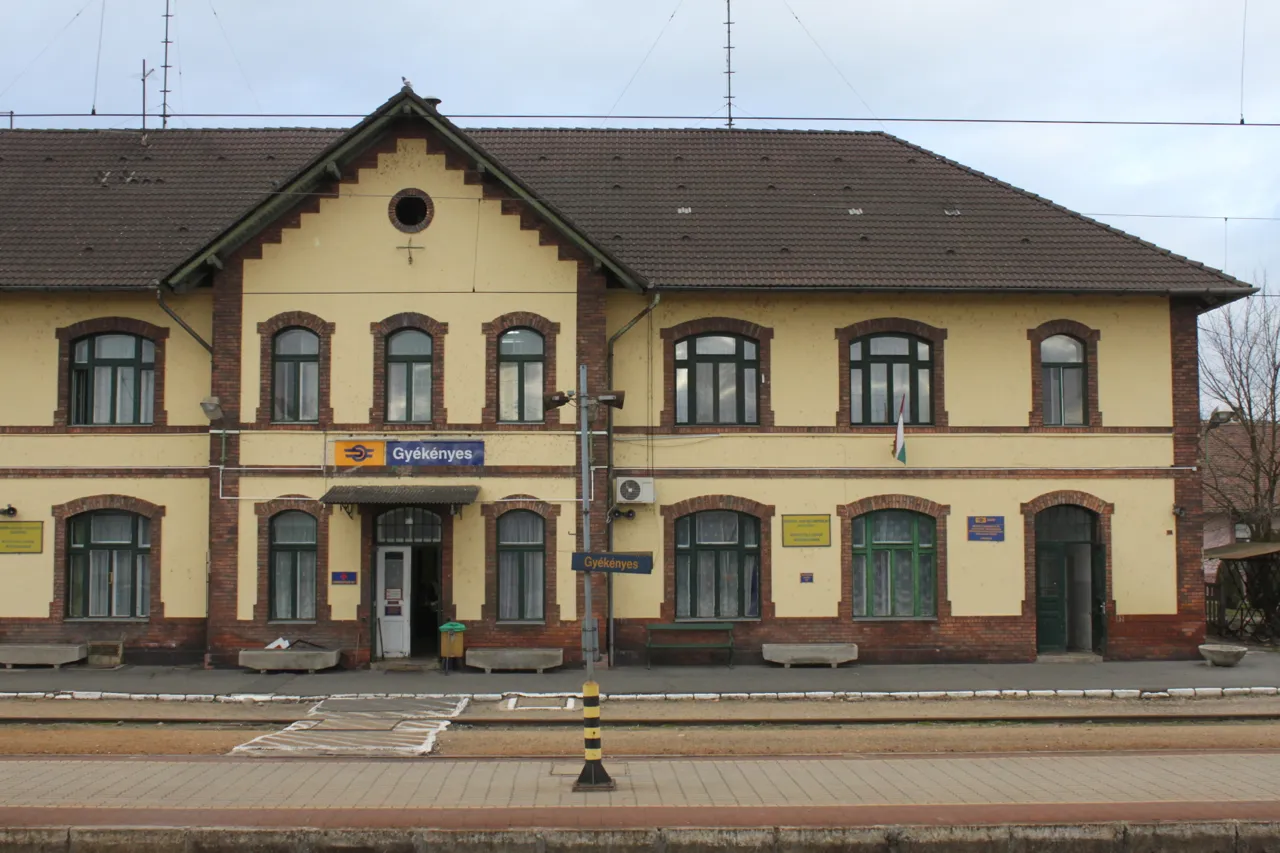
(661, 628)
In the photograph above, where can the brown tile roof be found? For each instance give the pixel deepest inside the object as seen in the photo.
(683, 208)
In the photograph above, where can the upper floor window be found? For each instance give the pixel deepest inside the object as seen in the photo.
(408, 380)
(717, 380)
(109, 571)
(887, 374)
(520, 376)
(295, 376)
(894, 564)
(718, 566)
(293, 566)
(1062, 365)
(113, 380)
(522, 557)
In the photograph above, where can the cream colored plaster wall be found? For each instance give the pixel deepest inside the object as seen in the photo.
(28, 578)
(468, 538)
(344, 266)
(106, 450)
(282, 447)
(984, 578)
(988, 366)
(29, 321)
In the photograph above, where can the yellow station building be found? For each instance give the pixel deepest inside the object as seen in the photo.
(292, 382)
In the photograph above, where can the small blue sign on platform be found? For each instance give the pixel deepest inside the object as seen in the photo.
(986, 528)
(622, 564)
(341, 578)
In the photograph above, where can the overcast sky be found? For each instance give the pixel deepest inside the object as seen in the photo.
(1086, 59)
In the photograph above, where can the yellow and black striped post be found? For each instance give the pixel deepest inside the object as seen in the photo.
(593, 776)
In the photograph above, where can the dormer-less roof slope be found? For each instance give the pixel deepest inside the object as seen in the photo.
(671, 208)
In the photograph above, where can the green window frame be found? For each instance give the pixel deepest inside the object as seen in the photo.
(409, 375)
(109, 565)
(113, 380)
(522, 561)
(292, 578)
(521, 372)
(295, 376)
(883, 370)
(895, 565)
(717, 379)
(1065, 381)
(717, 566)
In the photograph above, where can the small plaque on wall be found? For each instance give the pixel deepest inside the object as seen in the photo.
(343, 578)
(986, 528)
(21, 537)
(806, 531)
(806, 577)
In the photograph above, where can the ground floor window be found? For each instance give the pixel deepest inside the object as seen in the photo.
(718, 566)
(522, 558)
(894, 565)
(110, 562)
(293, 566)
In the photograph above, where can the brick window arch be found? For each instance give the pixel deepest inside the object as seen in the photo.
(671, 516)
(1063, 497)
(1089, 338)
(267, 331)
(63, 515)
(936, 339)
(383, 330)
(762, 336)
(549, 513)
(67, 337)
(879, 503)
(266, 512)
(492, 331)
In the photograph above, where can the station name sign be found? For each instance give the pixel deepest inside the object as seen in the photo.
(623, 564)
(356, 454)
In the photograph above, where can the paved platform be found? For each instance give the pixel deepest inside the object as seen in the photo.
(504, 794)
(1258, 669)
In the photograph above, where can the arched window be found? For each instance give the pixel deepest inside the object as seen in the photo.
(409, 377)
(888, 373)
(293, 566)
(718, 566)
(717, 380)
(1062, 363)
(894, 564)
(110, 561)
(295, 374)
(522, 559)
(113, 380)
(408, 526)
(520, 376)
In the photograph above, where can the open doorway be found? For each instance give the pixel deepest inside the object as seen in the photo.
(1071, 581)
(407, 613)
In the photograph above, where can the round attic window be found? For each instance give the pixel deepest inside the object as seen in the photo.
(411, 210)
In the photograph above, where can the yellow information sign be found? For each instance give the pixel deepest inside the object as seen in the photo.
(21, 537)
(359, 453)
(806, 531)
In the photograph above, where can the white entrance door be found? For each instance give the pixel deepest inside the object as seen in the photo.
(391, 605)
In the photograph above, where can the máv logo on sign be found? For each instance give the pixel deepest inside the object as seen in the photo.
(358, 452)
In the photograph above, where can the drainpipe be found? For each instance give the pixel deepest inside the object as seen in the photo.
(164, 306)
(608, 368)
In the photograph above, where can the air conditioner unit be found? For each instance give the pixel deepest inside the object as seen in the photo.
(634, 490)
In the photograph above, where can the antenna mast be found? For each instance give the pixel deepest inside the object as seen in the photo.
(164, 90)
(145, 75)
(728, 57)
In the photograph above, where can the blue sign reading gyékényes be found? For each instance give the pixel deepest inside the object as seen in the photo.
(624, 564)
(435, 453)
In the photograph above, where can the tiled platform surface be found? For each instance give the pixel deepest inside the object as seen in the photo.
(672, 792)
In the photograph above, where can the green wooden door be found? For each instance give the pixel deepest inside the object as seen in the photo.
(1051, 597)
(1098, 599)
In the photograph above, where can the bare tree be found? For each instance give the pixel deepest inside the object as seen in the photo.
(1240, 370)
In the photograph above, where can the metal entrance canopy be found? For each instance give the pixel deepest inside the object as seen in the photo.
(401, 495)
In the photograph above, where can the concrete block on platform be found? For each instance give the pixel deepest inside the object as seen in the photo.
(960, 694)
(1182, 692)
(1042, 694)
(986, 694)
(289, 660)
(827, 654)
(1126, 694)
(932, 694)
(1070, 694)
(1208, 692)
(1098, 694)
(41, 654)
(1235, 691)
(1014, 694)
(538, 660)
(1263, 691)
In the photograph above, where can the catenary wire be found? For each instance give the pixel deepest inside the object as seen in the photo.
(97, 63)
(44, 50)
(231, 49)
(831, 62)
(647, 54)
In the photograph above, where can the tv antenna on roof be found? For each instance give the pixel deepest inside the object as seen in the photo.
(145, 75)
(164, 86)
(728, 57)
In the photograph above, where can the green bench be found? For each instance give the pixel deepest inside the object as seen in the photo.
(656, 634)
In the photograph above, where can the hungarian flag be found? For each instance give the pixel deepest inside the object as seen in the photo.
(900, 440)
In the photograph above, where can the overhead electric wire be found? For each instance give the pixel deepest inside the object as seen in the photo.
(1244, 32)
(97, 63)
(231, 49)
(647, 54)
(44, 49)
(830, 61)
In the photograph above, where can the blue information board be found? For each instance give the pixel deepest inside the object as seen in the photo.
(986, 528)
(623, 564)
(430, 453)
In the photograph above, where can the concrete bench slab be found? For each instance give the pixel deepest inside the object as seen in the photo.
(832, 654)
(289, 660)
(14, 654)
(535, 659)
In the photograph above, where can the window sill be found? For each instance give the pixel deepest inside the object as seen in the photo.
(695, 620)
(895, 619)
(140, 620)
(519, 622)
(291, 622)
